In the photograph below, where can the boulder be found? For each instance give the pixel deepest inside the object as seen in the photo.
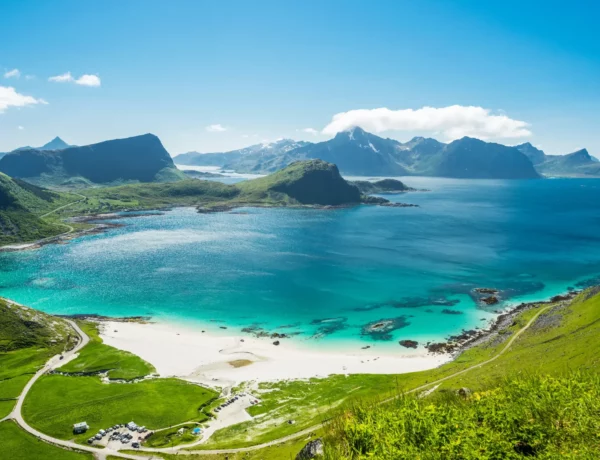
(311, 450)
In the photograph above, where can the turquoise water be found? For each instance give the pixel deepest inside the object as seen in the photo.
(326, 274)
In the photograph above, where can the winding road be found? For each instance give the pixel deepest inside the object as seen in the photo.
(101, 454)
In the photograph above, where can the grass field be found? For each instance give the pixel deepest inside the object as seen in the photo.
(562, 339)
(56, 402)
(16, 444)
(97, 357)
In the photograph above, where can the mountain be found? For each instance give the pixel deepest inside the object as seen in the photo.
(303, 182)
(475, 159)
(55, 144)
(20, 205)
(359, 153)
(251, 157)
(576, 164)
(140, 158)
(535, 155)
(356, 152)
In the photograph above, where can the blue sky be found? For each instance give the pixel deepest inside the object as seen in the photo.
(262, 70)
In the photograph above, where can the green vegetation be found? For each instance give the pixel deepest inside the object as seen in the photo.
(56, 402)
(542, 417)
(281, 451)
(98, 357)
(28, 338)
(563, 338)
(21, 208)
(381, 186)
(171, 436)
(20, 445)
(302, 182)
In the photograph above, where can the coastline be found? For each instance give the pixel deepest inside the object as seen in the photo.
(227, 360)
(220, 359)
(99, 227)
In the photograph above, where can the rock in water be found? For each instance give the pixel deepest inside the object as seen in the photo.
(311, 450)
(409, 343)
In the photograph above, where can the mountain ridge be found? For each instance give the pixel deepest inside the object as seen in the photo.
(139, 158)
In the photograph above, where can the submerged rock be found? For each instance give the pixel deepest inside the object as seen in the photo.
(380, 330)
(409, 343)
(491, 300)
(447, 311)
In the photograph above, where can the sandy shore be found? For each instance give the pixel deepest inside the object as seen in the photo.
(206, 358)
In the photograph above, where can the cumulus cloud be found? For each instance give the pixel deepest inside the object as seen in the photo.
(10, 98)
(14, 73)
(88, 80)
(454, 122)
(84, 80)
(216, 128)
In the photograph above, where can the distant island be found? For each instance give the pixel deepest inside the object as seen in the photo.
(27, 211)
(359, 153)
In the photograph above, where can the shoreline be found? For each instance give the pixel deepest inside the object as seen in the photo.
(99, 227)
(225, 360)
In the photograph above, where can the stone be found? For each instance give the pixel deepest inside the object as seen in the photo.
(311, 450)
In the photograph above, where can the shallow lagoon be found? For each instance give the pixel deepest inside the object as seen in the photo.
(326, 274)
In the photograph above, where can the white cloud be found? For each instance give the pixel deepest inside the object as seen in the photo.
(312, 131)
(88, 80)
(29, 77)
(10, 98)
(216, 128)
(84, 80)
(20, 128)
(64, 78)
(454, 122)
(14, 73)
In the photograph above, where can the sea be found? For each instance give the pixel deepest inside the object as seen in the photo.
(327, 277)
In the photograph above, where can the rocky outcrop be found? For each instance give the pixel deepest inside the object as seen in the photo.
(312, 449)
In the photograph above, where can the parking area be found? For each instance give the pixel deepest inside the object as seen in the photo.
(120, 436)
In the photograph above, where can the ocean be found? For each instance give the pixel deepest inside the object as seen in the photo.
(327, 276)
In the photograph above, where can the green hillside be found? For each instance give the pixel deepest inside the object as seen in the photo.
(539, 399)
(27, 339)
(22, 206)
(302, 182)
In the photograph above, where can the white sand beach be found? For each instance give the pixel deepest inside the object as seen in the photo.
(186, 352)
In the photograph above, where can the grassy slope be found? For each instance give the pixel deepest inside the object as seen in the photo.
(21, 206)
(562, 339)
(97, 356)
(543, 417)
(28, 338)
(19, 445)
